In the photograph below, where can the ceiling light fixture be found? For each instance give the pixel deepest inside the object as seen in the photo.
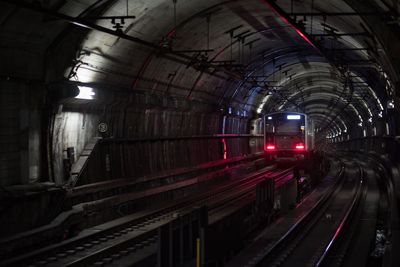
(85, 93)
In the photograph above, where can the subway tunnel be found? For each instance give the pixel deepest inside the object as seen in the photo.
(116, 109)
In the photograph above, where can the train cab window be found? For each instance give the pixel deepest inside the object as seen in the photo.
(289, 126)
(269, 128)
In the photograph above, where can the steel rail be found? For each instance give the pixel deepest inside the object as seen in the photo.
(220, 203)
(345, 220)
(247, 189)
(290, 243)
(291, 233)
(163, 213)
(244, 189)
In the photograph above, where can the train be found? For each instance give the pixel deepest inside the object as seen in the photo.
(288, 136)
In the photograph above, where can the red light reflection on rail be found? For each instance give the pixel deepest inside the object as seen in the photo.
(224, 144)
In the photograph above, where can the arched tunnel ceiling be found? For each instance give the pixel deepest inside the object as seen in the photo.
(320, 57)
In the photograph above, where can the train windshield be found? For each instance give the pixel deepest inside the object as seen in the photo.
(288, 127)
(280, 124)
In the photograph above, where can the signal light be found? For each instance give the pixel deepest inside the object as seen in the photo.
(270, 147)
(300, 146)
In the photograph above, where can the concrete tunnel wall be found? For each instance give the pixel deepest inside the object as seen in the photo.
(20, 132)
(148, 134)
(71, 125)
(36, 61)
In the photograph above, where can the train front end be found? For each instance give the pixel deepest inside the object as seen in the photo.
(287, 136)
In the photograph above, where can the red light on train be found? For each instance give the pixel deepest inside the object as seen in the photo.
(270, 147)
(300, 146)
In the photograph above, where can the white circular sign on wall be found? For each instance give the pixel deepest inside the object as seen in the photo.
(103, 127)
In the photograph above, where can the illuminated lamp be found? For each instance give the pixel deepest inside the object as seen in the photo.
(300, 146)
(390, 104)
(270, 147)
(85, 93)
(293, 117)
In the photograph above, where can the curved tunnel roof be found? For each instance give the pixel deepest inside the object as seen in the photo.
(323, 58)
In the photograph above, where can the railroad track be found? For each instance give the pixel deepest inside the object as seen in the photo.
(134, 239)
(308, 242)
(246, 191)
(355, 243)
